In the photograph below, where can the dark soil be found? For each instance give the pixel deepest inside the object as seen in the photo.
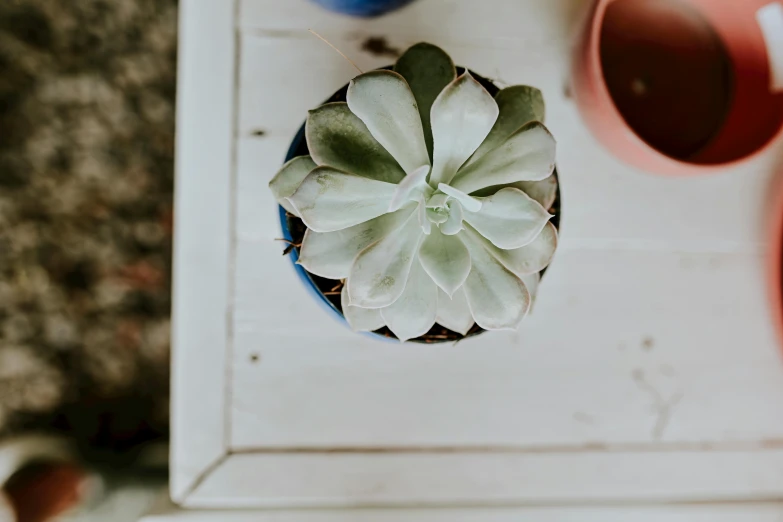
(331, 288)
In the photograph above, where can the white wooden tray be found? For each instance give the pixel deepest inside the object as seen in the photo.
(648, 372)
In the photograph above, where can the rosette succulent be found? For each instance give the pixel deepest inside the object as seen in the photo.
(427, 196)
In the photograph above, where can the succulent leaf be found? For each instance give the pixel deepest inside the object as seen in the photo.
(412, 188)
(360, 319)
(413, 314)
(288, 179)
(454, 312)
(517, 105)
(331, 254)
(337, 138)
(437, 216)
(437, 200)
(498, 300)
(544, 191)
(531, 283)
(384, 102)
(424, 219)
(527, 155)
(509, 219)
(462, 116)
(427, 197)
(526, 260)
(453, 224)
(469, 203)
(428, 70)
(380, 271)
(329, 199)
(445, 259)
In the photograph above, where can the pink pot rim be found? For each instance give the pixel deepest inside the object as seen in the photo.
(589, 58)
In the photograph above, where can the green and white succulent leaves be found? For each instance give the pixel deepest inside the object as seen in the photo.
(427, 196)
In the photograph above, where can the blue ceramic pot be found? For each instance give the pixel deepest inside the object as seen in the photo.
(362, 7)
(303, 274)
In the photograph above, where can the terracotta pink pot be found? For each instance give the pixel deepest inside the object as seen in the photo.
(42, 493)
(677, 86)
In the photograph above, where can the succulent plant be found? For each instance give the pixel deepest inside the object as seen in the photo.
(427, 196)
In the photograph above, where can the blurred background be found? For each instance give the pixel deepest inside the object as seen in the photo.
(87, 93)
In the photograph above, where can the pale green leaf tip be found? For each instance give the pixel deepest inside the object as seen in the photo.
(422, 45)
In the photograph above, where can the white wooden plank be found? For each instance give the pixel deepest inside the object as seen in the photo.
(757, 512)
(275, 67)
(252, 481)
(538, 21)
(202, 238)
(622, 346)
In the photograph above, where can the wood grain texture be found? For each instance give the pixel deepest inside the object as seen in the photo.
(649, 352)
(202, 239)
(479, 479)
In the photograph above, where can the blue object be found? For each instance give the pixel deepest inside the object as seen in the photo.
(302, 273)
(365, 8)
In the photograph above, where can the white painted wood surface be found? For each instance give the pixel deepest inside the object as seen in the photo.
(202, 243)
(465, 478)
(648, 372)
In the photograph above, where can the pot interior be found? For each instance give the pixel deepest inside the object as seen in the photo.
(691, 77)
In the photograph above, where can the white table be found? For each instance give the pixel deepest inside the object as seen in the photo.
(648, 374)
